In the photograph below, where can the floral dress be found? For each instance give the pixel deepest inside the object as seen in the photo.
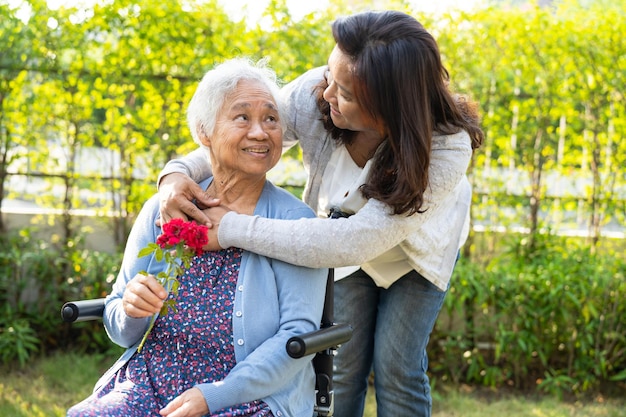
(190, 346)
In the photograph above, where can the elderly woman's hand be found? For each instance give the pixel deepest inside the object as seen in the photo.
(177, 193)
(190, 403)
(143, 296)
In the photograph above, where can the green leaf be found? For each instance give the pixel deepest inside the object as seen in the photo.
(148, 250)
(620, 376)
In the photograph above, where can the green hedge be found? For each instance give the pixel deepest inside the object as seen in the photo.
(553, 319)
(36, 278)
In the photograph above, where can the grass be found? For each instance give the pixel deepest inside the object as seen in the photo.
(458, 404)
(48, 386)
(467, 401)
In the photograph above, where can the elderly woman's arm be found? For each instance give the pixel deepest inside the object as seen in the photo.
(121, 328)
(267, 369)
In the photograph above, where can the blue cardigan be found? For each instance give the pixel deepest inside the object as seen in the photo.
(274, 301)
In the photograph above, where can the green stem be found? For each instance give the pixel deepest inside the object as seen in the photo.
(172, 268)
(145, 336)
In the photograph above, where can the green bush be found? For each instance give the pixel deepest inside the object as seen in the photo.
(17, 340)
(36, 278)
(549, 319)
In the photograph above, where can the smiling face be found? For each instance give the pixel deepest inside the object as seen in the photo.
(247, 139)
(345, 110)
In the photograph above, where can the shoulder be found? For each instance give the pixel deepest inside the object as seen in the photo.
(460, 140)
(449, 159)
(302, 89)
(278, 203)
(149, 212)
(454, 150)
(304, 84)
(299, 99)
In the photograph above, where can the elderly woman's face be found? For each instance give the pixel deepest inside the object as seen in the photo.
(248, 136)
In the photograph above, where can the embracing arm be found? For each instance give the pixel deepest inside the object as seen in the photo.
(318, 242)
(355, 240)
(195, 165)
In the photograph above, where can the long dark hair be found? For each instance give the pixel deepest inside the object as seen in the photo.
(399, 78)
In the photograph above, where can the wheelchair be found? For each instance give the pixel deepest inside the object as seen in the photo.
(323, 342)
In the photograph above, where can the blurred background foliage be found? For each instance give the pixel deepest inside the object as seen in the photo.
(92, 106)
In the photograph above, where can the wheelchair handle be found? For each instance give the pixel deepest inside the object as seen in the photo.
(84, 310)
(319, 340)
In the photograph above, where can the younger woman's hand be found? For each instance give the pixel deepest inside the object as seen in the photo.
(177, 194)
(214, 214)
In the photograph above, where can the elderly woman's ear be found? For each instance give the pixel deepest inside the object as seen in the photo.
(203, 137)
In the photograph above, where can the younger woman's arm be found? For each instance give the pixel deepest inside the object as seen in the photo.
(365, 235)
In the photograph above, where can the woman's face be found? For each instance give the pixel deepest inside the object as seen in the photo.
(345, 110)
(247, 139)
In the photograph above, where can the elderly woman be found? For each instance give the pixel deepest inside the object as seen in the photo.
(222, 353)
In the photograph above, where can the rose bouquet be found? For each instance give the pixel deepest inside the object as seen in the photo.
(177, 245)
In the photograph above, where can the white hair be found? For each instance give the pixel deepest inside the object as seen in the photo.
(222, 80)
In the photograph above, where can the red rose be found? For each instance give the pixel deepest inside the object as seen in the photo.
(177, 245)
